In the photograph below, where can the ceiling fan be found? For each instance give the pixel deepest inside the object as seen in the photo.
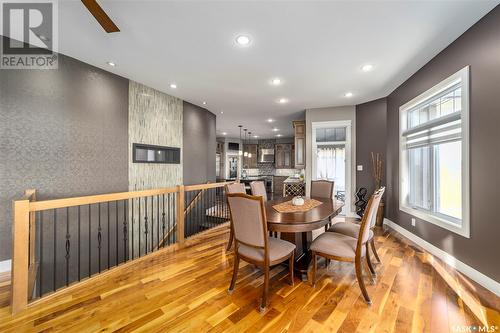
(101, 16)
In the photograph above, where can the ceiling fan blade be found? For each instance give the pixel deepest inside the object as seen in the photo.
(101, 16)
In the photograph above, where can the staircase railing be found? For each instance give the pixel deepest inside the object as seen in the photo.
(60, 242)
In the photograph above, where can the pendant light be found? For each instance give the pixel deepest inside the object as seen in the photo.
(245, 153)
(240, 152)
(249, 153)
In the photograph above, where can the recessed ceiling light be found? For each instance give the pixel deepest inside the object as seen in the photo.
(224, 133)
(173, 85)
(367, 67)
(112, 64)
(348, 94)
(255, 136)
(222, 112)
(283, 100)
(204, 103)
(276, 81)
(278, 135)
(275, 129)
(270, 120)
(243, 40)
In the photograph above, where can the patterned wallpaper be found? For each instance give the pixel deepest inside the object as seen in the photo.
(154, 118)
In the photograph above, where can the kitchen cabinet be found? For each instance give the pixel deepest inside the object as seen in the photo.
(300, 144)
(250, 162)
(284, 156)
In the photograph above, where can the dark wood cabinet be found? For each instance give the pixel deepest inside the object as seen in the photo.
(250, 162)
(278, 183)
(300, 144)
(284, 156)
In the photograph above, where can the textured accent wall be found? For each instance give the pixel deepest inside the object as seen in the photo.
(154, 118)
(62, 132)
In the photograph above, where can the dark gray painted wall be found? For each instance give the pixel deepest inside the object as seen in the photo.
(479, 47)
(370, 137)
(62, 132)
(199, 145)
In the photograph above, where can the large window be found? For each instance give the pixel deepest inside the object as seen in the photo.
(434, 154)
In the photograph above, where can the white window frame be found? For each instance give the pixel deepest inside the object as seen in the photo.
(464, 228)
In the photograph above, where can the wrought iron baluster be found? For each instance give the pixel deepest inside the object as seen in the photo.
(163, 221)
(132, 226)
(99, 237)
(90, 240)
(116, 232)
(158, 221)
(139, 222)
(55, 250)
(67, 246)
(40, 280)
(146, 224)
(79, 254)
(108, 233)
(125, 230)
(152, 223)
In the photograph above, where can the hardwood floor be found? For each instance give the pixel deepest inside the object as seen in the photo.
(186, 291)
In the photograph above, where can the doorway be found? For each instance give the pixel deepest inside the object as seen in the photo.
(331, 157)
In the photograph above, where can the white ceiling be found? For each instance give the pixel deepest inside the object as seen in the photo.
(316, 48)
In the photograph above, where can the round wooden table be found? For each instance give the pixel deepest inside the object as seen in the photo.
(297, 227)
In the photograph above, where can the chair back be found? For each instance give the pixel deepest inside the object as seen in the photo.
(322, 188)
(236, 188)
(373, 219)
(249, 219)
(259, 189)
(371, 210)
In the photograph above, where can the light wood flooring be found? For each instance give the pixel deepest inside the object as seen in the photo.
(186, 291)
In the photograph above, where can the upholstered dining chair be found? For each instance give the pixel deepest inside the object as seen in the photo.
(322, 189)
(251, 242)
(233, 188)
(352, 229)
(259, 189)
(336, 246)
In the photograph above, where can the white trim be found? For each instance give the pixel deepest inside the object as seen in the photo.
(463, 229)
(470, 272)
(5, 266)
(348, 153)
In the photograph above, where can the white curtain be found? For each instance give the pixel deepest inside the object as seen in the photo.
(331, 165)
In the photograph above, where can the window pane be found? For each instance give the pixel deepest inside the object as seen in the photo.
(419, 172)
(448, 164)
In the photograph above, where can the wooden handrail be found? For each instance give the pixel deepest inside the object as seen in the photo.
(93, 199)
(24, 264)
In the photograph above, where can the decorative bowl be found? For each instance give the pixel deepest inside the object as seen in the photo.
(298, 201)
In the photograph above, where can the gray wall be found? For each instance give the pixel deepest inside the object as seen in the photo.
(199, 145)
(478, 47)
(62, 132)
(370, 137)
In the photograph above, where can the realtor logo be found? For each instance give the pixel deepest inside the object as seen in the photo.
(30, 34)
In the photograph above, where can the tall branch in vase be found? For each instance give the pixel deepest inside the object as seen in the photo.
(377, 169)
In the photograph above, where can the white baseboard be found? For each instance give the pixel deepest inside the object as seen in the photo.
(5, 266)
(465, 269)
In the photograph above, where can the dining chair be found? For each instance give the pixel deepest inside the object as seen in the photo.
(322, 189)
(352, 229)
(233, 188)
(336, 246)
(252, 244)
(259, 189)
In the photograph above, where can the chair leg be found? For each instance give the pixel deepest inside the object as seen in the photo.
(369, 261)
(231, 236)
(372, 244)
(265, 290)
(290, 267)
(359, 276)
(314, 269)
(235, 272)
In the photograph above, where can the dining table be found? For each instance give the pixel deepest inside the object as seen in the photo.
(297, 227)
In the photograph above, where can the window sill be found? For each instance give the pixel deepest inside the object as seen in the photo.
(460, 230)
